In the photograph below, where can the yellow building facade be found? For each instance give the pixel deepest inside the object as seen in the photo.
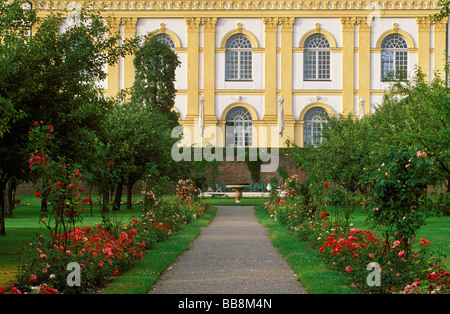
(245, 64)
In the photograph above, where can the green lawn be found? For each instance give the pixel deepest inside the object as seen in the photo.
(24, 225)
(436, 230)
(144, 275)
(316, 276)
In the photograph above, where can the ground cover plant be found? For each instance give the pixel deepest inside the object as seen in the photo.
(102, 251)
(375, 262)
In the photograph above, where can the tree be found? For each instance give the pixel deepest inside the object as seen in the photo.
(343, 154)
(155, 65)
(444, 11)
(52, 77)
(416, 114)
(134, 136)
(137, 132)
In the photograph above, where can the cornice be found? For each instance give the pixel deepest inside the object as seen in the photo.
(243, 5)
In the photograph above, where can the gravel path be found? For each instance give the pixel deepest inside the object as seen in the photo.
(232, 255)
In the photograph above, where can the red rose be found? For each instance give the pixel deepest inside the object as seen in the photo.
(38, 194)
(116, 272)
(132, 232)
(111, 165)
(325, 185)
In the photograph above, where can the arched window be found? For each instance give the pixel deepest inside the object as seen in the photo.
(238, 128)
(394, 57)
(165, 39)
(314, 121)
(238, 58)
(316, 58)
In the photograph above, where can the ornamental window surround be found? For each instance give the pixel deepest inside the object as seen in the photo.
(316, 58)
(238, 58)
(314, 121)
(238, 128)
(165, 39)
(394, 58)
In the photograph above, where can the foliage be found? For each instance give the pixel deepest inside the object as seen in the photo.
(52, 75)
(415, 113)
(102, 252)
(444, 12)
(253, 161)
(152, 185)
(197, 171)
(155, 65)
(343, 154)
(355, 251)
(399, 201)
(61, 183)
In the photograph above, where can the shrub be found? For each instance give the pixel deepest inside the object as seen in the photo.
(353, 251)
(399, 201)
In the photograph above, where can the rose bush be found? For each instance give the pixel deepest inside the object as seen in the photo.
(100, 253)
(352, 251)
(103, 251)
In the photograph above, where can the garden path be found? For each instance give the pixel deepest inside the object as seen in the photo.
(232, 255)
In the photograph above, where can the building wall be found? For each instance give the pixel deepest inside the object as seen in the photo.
(277, 30)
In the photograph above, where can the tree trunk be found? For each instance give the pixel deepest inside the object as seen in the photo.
(2, 208)
(118, 195)
(44, 204)
(8, 198)
(130, 184)
(105, 207)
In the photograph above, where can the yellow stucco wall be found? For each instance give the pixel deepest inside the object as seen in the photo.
(355, 50)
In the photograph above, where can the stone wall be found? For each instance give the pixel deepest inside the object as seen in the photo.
(237, 171)
(229, 172)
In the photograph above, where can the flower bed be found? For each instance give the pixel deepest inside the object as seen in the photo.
(100, 252)
(374, 264)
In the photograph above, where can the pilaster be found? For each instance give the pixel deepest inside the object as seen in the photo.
(209, 66)
(193, 28)
(364, 63)
(348, 64)
(440, 53)
(113, 70)
(286, 64)
(270, 68)
(129, 33)
(424, 26)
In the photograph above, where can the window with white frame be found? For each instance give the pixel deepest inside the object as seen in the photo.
(165, 39)
(238, 128)
(316, 58)
(394, 58)
(314, 121)
(238, 58)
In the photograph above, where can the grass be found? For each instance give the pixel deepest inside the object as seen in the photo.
(436, 230)
(144, 275)
(24, 225)
(315, 275)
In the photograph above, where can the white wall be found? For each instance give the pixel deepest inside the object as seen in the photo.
(255, 101)
(301, 26)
